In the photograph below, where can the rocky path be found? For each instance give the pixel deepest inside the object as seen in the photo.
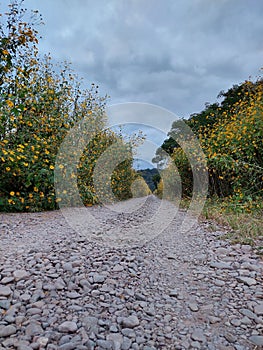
(61, 290)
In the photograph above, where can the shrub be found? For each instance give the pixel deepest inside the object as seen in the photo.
(37, 109)
(140, 188)
(231, 136)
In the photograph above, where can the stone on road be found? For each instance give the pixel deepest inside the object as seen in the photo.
(123, 287)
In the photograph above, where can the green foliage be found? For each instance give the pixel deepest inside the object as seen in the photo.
(16, 37)
(140, 188)
(230, 134)
(234, 147)
(151, 177)
(37, 109)
(243, 219)
(182, 163)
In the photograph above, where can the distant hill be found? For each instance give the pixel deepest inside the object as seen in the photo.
(150, 176)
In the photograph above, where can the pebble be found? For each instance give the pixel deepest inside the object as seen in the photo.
(104, 344)
(42, 341)
(118, 268)
(5, 291)
(33, 329)
(20, 275)
(235, 322)
(98, 278)
(198, 335)
(130, 322)
(6, 331)
(258, 309)
(5, 304)
(230, 337)
(173, 293)
(61, 291)
(68, 327)
(219, 283)
(7, 280)
(193, 307)
(247, 280)
(248, 313)
(214, 319)
(220, 265)
(257, 340)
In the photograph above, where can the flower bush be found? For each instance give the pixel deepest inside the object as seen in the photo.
(230, 135)
(234, 146)
(140, 188)
(39, 104)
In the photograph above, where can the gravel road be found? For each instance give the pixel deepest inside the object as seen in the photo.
(60, 289)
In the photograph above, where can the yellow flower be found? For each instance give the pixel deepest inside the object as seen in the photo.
(9, 103)
(12, 193)
(51, 167)
(35, 189)
(61, 166)
(30, 195)
(25, 164)
(7, 168)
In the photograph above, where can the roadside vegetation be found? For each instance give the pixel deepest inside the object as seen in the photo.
(230, 134)
(39, 103)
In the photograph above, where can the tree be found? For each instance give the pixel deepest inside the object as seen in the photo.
(17, 36)
(230, 134)
(38, 107)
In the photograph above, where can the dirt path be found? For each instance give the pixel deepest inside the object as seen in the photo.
(118, 283)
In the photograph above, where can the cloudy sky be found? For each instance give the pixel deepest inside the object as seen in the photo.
(176, 54)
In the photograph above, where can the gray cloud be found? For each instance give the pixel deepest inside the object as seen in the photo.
(174, 53)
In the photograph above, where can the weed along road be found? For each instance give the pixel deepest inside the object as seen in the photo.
(176, 290)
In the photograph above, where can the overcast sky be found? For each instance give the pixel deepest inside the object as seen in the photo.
(177, 54)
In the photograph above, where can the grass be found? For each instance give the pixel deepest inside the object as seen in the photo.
(243, 221)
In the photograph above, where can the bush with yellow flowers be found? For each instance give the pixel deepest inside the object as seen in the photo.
(105, 172)
(234, 146)
(38, 107)
(140, 188)
(230, 135)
